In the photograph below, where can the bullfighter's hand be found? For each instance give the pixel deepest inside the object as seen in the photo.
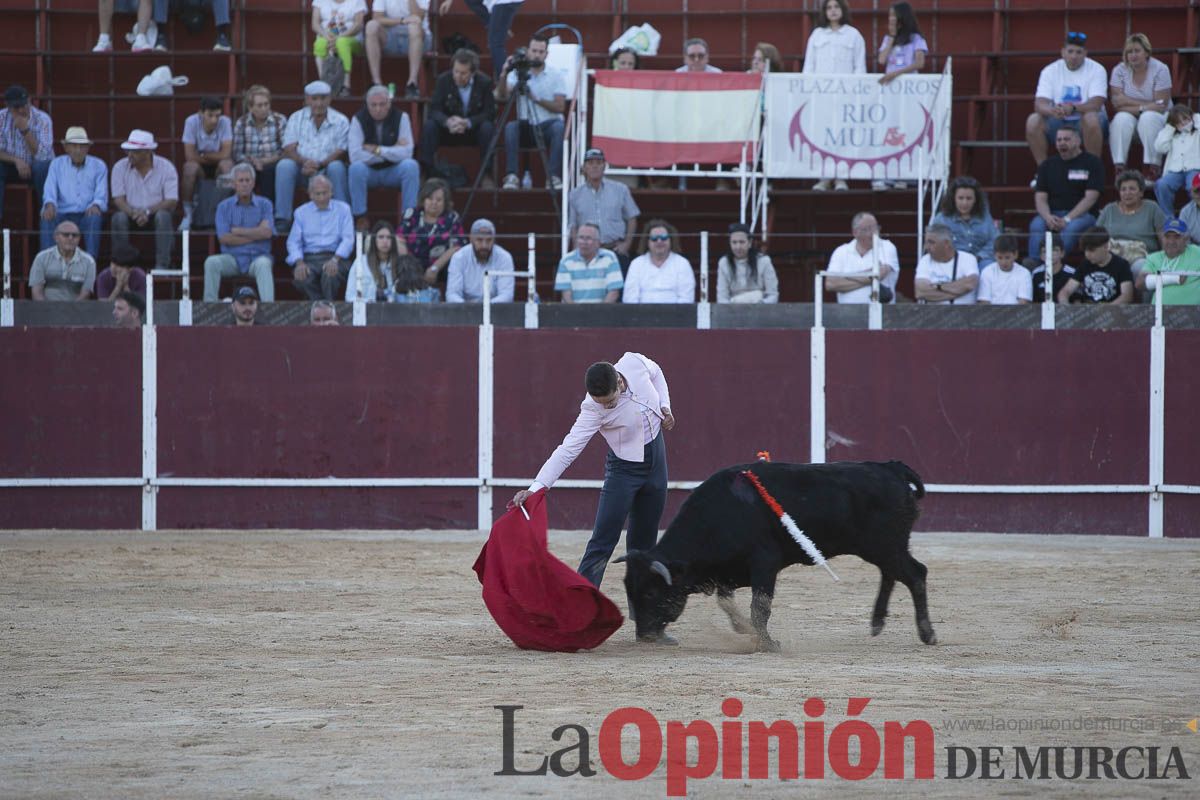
(519, 498)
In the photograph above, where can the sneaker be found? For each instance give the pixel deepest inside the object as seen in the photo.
(511, 181)
(411, 92)
(841, 186)
(141, 44)
(821, 186)
(1033, 183)
(555, 183)
(222, 44)
(879, 186)
(161, 45)
(103, 44)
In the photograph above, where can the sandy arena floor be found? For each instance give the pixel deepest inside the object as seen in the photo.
(217, 664)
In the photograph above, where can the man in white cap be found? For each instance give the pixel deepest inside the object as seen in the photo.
(315, 140)
(464, 281)
(607, 203)
(145, 191)
(77, 190)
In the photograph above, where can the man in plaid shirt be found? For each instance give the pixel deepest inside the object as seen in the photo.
(258, 139)
(26, 144)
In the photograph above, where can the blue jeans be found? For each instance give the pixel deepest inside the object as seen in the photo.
(1069, 234)
(405, 176)
(286, 173)
(89, 226)
(1166, 187)
(520, 133)
(633, 491)
(497, 22)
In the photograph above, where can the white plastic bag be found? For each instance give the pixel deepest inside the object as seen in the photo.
(160, 82)
(641, 39)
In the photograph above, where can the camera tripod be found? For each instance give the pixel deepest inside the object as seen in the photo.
(519, 94)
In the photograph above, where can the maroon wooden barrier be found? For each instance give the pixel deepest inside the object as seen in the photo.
(961, 407)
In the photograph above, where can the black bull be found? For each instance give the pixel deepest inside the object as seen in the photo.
(726, 536)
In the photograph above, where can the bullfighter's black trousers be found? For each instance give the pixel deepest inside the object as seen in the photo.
(634, 492)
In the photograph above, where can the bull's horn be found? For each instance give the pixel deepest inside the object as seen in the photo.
(661, 569)
(619, 559)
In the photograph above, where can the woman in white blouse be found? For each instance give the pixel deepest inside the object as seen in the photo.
(834, 48)
(1140, 91)
(659, 274)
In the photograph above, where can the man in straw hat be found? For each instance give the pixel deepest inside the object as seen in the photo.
(76, 190)
(26, 143)
(145, 191)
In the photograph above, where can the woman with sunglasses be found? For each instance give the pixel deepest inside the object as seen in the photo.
(745, 275)
(659, 274)
(964, 211)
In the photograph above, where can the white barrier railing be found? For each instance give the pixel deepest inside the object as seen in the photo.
(150, 481)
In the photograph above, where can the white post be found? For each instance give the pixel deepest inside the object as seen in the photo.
(816, 424)
(703, 309)
(1048, 300)
(6, 301)
(360, 305)
(816, 376)
(531, 301)
(1158, 360)
(149, 413)
(486, 367)
(185, 301)
(920, 202)
(875, 310)
(487, 298)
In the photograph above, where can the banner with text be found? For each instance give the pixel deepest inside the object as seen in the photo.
(854, 127)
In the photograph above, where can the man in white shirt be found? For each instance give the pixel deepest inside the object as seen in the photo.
(1072, 90)
(464, 277)
(858, 256)
(542, 106)
(945, 275)
(630, 405)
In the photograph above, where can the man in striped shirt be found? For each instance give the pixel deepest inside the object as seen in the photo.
(26, 143)
(589, 273)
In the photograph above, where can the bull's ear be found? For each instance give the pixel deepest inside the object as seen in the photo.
(619, 559)
(661, 569)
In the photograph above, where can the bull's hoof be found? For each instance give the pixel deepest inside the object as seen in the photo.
(768, 645)
(926, 633)
(662, 639)
(742, 627)
(876, 628)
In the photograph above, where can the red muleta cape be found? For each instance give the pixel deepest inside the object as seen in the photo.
(540, 602)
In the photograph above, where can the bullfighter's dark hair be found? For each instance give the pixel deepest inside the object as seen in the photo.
(601, 379)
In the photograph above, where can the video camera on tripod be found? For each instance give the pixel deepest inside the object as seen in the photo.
(520, 63)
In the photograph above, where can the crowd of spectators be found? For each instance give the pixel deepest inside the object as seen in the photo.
(1099, 254)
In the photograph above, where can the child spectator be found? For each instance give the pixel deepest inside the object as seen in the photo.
(1061, 272)
(337, 24)
(1179, 140)
(902, 51)
(1004, 281)
(1103, 277)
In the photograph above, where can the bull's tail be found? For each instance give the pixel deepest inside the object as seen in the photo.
(909, 475)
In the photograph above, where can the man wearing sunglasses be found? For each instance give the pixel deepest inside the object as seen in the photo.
(1072, 90)
(64, 271)
(695, 57)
